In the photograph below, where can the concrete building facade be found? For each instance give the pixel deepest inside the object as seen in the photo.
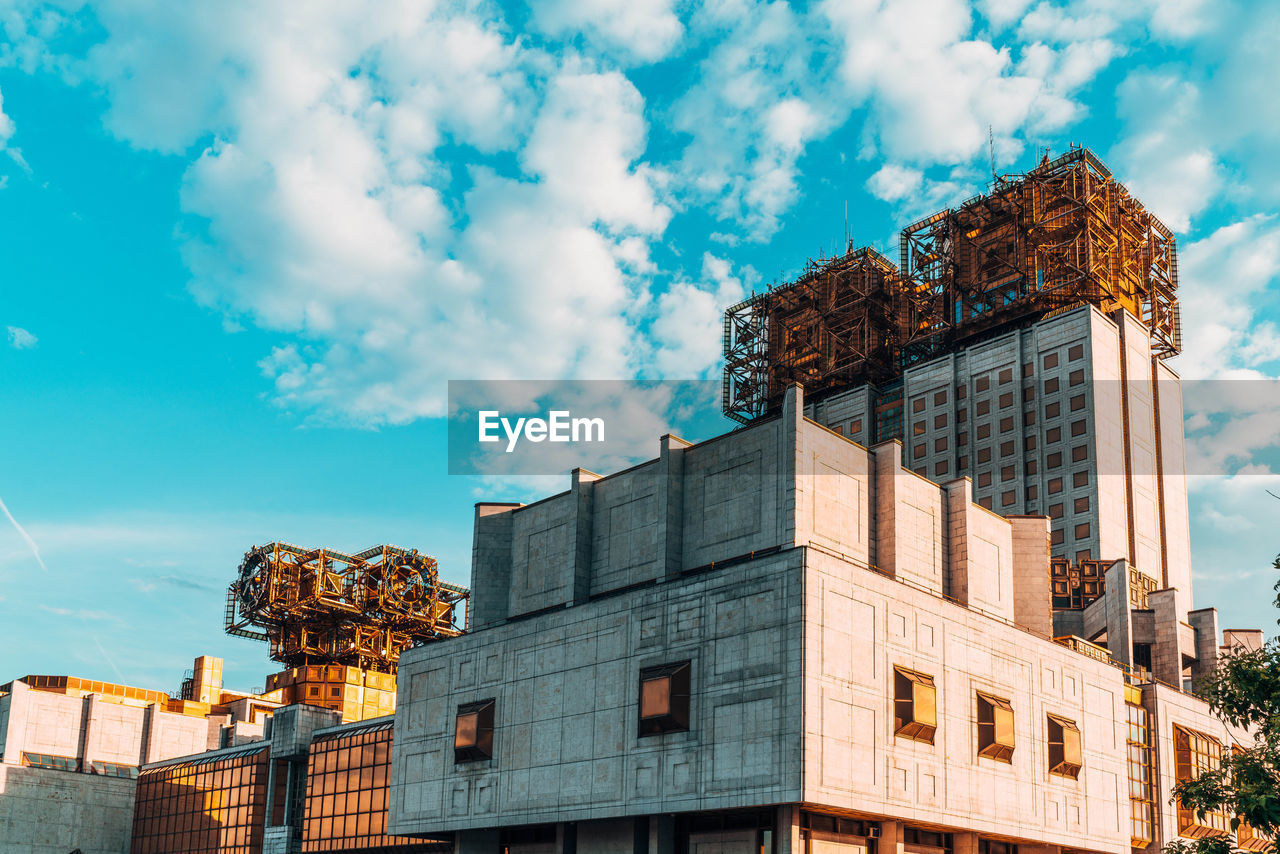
(780, 640)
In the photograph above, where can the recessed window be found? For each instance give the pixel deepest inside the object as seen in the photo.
(984, 479)
(1057, 537)
(918, 428)
(917, 405)
(1051, 360)
(1078, 428)
(1027, 369)
(1076, 352)
(1053, 461)
(1032, 493)
(962, 415)
(1007, 498)
(995, 728)
(1006, 449)
(1082, 505)
(984, 455)
(1053, 434)
(1051, 385)
(1055, 511)
(1031, 467)
(1029, 418)
(1006, 376)
(1055, 486)
(940, 468)
(923, 471)
(1006, 473)
(963, 463)
(919, 450)
(984, 406)
(1030, 443)
(1075, 378)
(984, 431)
(915, 705)
(1077, 403)
(985, 502)
(939, 398)
(1080, 478)
(983, 383)
(939, 421)
(940, 444)
(1065, 755)
(1079, 453)
(1052, 410)
(1006, 400)
(1028, 392)
(839, 428)
(664, 698)
(961, 391)
(855, 426)
(1082, 531)
(1006, 424)
(473, 731)
(1082, 556)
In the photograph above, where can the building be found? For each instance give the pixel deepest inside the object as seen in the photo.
(311, 784)
(70, 750)
(780, 640)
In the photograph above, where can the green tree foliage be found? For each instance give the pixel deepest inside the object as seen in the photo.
(1244, 691)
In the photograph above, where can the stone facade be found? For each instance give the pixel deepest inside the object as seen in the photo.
(794, 570)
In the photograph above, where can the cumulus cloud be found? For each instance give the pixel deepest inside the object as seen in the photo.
(686, 311)
(21, 339)
(640, 30)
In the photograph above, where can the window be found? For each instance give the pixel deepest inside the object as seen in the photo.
(1055, 512)
(1027, 369)
(983, 383)
(915, 705)
(1029, 393)
(984, 455)
(1006, 400)
(984, 478)
(1028, 418)
(1006, 449)
(917, 405)
(962, 463)
(985, 502)
(664, 698)
(995, 728)
(1082, 505)
(939, 421)
(940, 444)
(473, 732)
(1032, 467)
(918, 428)
(923, 471)
(1082, 531)
(984, 406)
(991, 846)
(1007, 498)
(1006, 376)
(1006, 424)
(1194, 754)
(984, 431)
(1077, 403)
(1141, 799)
(940, 468)
(855, 426)
(1076, 352)
(962, 439)
(1057, 537)
(52, 763)
(1052, 410)
(919, 450)
(114, 769)
(962, 415)
(1078, 428)
(1082, 556)
(1075, 378)
(1053, 461)
(1079, 453)
(1030, 443)
(1032, 493)
(1051, 360)
(1051, 385)
(1006, 473)
(1053, 435)
(1065, 755)
(939, 398)
(1055, 486)
(1080, 478)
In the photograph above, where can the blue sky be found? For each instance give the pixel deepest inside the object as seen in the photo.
(247, 244)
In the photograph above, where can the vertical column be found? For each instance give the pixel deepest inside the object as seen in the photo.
(1115, 587)
(490, 565)
(150, 751)
(787, 831)
(1032, 600)
(956, 497)
(670, 498)
(583, 500)
(886, 467)
(966, 843)
(15, 737)
(89, 730)
(663, 834)
(1205, 623)
(1166, 654)
(792, 424)
(890, 841)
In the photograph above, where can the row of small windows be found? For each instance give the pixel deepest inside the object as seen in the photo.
(982, 383)
(915, 716)
(71, 763)
(663, 700)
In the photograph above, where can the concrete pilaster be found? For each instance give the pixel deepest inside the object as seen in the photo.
(957, 496)
(1032, 601)
(670, 498)
(890, 841)
(964, 843)
(1118, 614)
(887, 465)
(490, 565)
(1166, 653)
(1205, 623)
(582, 495)
(15, 735)
(792, 423)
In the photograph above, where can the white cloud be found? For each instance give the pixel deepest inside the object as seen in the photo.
(21, 339)
(893, 183)
(686, 312)
(642, 30)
